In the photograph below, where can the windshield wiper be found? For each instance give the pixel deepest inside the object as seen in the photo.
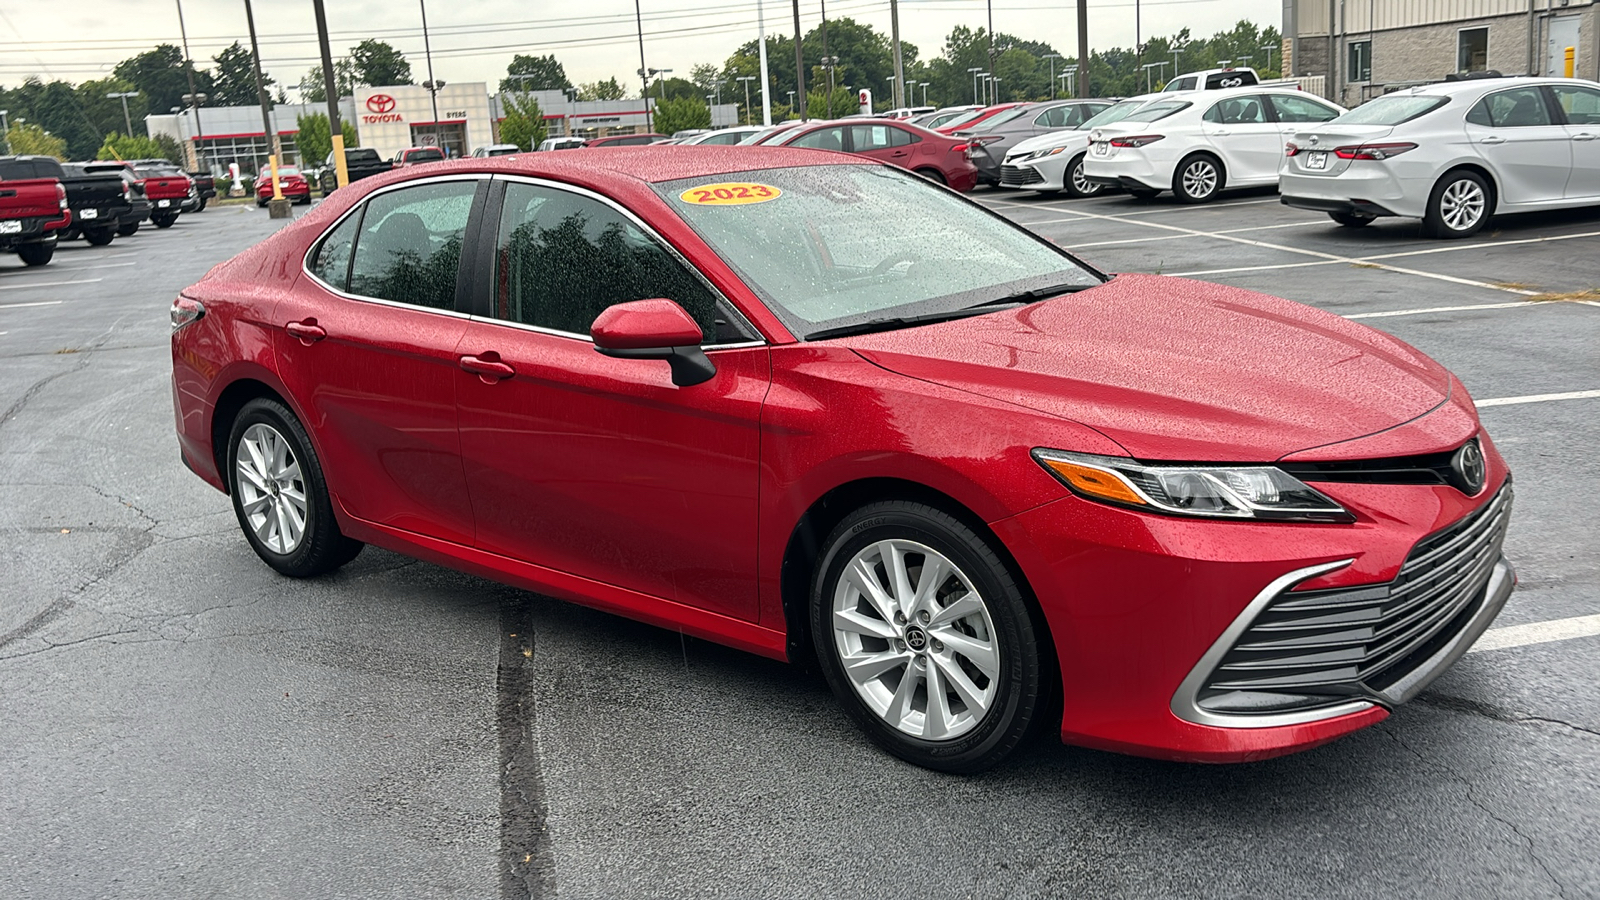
(1020, 298)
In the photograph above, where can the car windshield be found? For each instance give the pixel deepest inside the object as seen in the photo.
(833, 246)
(1391, 110)
(285, 171)
(1115, 113)
(428, 155)
(999, 119)
(156, 171)
(962, 119)
(1157, 111)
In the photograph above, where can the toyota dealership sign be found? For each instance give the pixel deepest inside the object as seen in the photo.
(380, 108)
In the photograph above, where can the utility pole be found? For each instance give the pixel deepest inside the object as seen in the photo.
(828, 62)
(799, 63)
(644, 73)
(278, 206)
(331, 87)
(188, 70)
(899, 94)
(761, 52)
(127, 120)
(432, 85)
(990, 4)
(1083, 49)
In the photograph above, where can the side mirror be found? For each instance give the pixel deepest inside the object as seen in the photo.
(654, 329)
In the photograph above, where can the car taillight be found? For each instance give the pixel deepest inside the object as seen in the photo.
(186, 310)
(1291, 148)
(1136, 141)
(1373, 151)
(61, 196)
(960, 148)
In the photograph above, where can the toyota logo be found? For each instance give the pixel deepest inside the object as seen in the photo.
(916, 639)
(1468, 467)
(380, 103)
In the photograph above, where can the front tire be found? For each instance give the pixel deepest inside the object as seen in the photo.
(36, 254)
(1198, 179)
(924, 637)
(279, 495)
(1459, 206)
(100, 236)
(1078, 186)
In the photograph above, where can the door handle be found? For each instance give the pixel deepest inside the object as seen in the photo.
(1493, 140)
(487, 367)
(308, 332)
(1585, 136)
(899, 153)
(1221, 131)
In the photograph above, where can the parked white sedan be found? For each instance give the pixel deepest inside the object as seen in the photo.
(1199, 143)
(1452, 154)
(1053, 161)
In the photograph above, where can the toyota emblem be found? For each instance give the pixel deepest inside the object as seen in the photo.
(916, 639)
(380, 103)
(1468, 467)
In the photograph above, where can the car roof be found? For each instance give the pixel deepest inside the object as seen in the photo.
(646, 163)
(1483, 85)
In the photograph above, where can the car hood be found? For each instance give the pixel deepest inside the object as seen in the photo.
(1178, 370)
(1049, 141)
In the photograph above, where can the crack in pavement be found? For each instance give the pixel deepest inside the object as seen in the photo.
(1495, 713)
(1466, 790)
(130, 543)
(527, 866)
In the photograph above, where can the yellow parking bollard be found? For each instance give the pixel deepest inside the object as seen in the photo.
(1572, 54)
(278, 206)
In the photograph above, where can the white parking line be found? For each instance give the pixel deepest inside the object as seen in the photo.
(1180, 237)
(40, 303)
(1537, 398)
(1437, 309)
(1537, 633)
(18, 287)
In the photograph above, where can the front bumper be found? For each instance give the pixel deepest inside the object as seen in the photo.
(1141, 609)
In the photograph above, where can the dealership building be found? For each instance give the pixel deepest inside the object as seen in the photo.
(1365, 48)
(461, 118)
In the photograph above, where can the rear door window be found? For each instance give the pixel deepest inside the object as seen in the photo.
(1580, 104)
(409, 248)
(821, 139)
(1299, 109)
(331, 262)
(1522, 107)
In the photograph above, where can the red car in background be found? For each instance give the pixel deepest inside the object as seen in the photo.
(33, 212)
(167, 188)
(930, 154)
(963, 123)
(625, 140)
(811, 406)
(294, 185)
(412, 156)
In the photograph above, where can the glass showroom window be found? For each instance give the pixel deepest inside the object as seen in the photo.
(1472, 50)
(1359, 65)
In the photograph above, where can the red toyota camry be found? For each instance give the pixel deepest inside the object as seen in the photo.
(813, 406)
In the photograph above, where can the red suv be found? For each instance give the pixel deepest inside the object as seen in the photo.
(930, 154)
(813, 407)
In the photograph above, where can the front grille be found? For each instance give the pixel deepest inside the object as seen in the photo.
(1020, 175)
(1308, 649)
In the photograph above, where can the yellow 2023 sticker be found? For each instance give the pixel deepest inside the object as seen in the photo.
(732, 193)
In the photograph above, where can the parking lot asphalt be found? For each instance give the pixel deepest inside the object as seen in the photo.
(177, 721)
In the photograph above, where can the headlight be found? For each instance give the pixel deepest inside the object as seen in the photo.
(1218, 492)
(1040, 154)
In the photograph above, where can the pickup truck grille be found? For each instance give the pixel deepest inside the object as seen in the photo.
(1307, 649)
(1020, 175)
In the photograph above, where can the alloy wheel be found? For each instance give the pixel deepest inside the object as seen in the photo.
(1462, 204)
(1081, 184)
(1200, 179)
(272, 491)
(916, 640)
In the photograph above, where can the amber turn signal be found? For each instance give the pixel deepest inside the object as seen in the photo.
(1094, 482)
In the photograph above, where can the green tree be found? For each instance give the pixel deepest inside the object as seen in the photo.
(121, 146)
(678, 88)
(159, 75)
(676, 114)
(234, 81)
(377, 63)
(865, 60)
(523, 124)
(345, 78)
(845, 103)
(314, 141)
(29, 139)
(105, 113)
(535, 73)
(609, 89)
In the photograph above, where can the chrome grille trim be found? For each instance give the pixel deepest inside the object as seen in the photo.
(1292, 658)
(1020, 175)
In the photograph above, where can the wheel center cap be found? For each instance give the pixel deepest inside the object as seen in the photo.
(916, 638)
(272, 488)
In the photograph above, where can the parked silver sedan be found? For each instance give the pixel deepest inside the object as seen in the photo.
(993, 136)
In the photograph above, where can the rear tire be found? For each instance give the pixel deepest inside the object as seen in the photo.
(279, 495)
(165, 221)
(100, 236)
(1198, 179)
(1459, 206)
(36, 254)
(933, 175)
(128, 229)
(201, 206)
(1076, 185)
(966, 632)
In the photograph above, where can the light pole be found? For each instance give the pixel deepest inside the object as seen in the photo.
(974, 73)
(994, 85)
(1052, 57)
(1224, 63)
(1147, 67)
(1176, 49)
(1269, 48)
(124, 95)
(277, 207)
(897, 84)
(791, 104)
(433, 85)
(894, 83)
(188, 70)
(661, 82)
(746, 79)
(644, 79)
(924, 86)
(828, 64)
(1070, 74)
(5, 130)
(341, 172)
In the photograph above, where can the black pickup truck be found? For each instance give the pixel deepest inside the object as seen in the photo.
(139, 212)
(98, 202)
(359, 162)
(205, 187)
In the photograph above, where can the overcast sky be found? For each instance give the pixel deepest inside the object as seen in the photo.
(472, 40)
